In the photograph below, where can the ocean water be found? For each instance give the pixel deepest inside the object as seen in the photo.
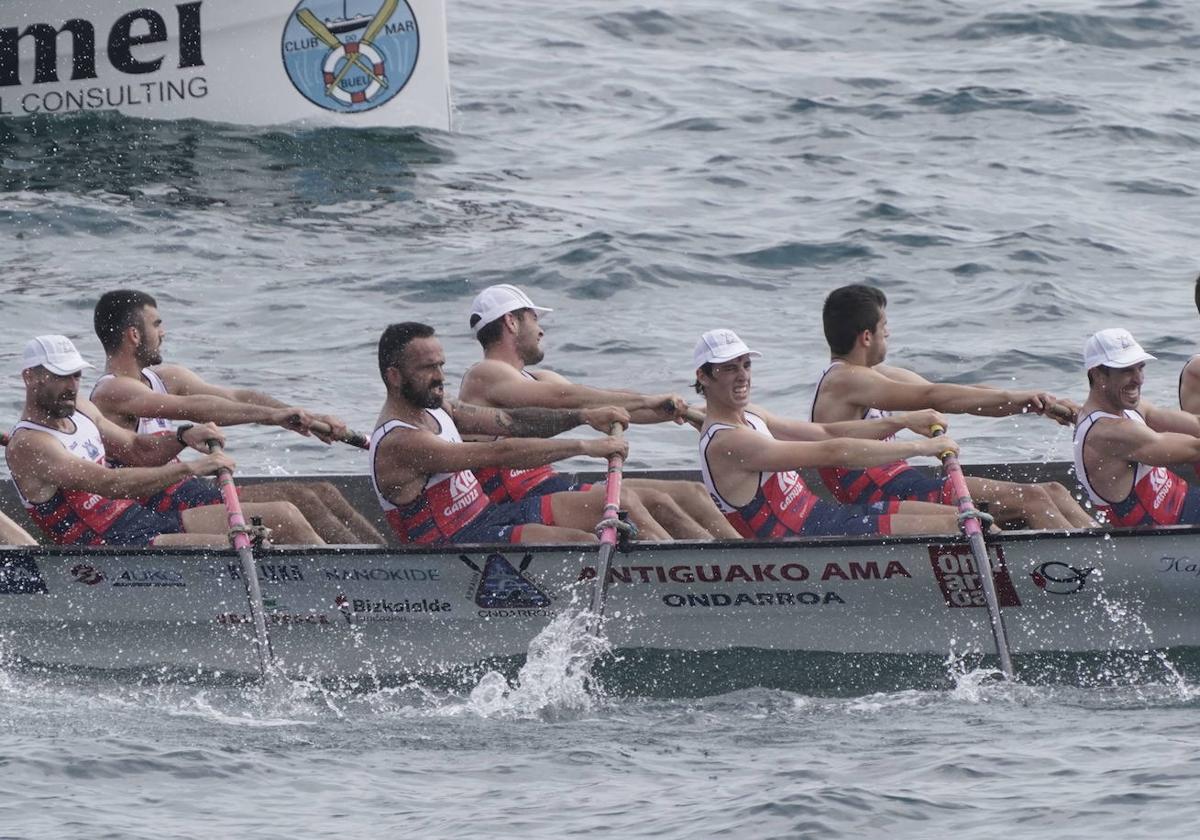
(1014, 175)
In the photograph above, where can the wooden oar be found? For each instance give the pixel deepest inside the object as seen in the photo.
(608, 535)
(968, 521)
(241, 542)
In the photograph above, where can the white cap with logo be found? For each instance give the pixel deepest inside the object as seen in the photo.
(720, 346)
(1114, 348)
(497, 301)
(56, 353)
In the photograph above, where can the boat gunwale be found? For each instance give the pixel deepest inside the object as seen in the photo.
(1023, 536)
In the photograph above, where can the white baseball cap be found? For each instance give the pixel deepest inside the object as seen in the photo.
(55, 353)
(720, 346)
(1114, 348)
(496, 301)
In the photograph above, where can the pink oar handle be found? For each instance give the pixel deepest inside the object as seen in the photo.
(958, 485)
(233, 504)
(612, 493)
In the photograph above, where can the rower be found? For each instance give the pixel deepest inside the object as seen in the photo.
(1189, 378)
(57, 455)
(422, 469)
(857, 384)
(141, 394)
(507, 324)
(1124, 445)
(750, 458)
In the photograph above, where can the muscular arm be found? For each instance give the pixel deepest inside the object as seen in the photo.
(41, 464)
(498, 384)
(184, 382)
(1170, 419)
(128, 447)
(752, 451)
(784, 428)
(867, 387)
(1132, 441)
(513, 422)
(124, 396)
(407, 456)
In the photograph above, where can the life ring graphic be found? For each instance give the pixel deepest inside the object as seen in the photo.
(344, 54)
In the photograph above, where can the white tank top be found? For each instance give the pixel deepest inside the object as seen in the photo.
(147, 425)
(1081, 430)
(85, 442)
(757, 424)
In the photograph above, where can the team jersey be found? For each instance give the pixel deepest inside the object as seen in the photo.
(448, 502)
(1157, 497)
(76, 517)
(858, 486)
(781, 504)
(191, 492)
(507, 485)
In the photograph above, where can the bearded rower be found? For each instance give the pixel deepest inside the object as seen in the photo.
(750, 458)
(141, 394)
(508, 326)
(1124, 445)
(422, 469)
(858, 385)
(58, 452)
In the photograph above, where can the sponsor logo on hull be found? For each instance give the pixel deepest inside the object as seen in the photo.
(960, 582)
(1059, 578)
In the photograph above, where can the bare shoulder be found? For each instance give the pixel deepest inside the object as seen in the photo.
(543, 375)
(113, 389)
(177, 378)
(899, 374)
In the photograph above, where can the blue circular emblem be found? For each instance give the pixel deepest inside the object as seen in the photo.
(350, 55)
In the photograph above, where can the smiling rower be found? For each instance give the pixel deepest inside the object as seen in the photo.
(1123, 444)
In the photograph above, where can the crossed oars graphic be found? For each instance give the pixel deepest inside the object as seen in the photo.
(313, 25)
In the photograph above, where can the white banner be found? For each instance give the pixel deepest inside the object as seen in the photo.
(251, 62)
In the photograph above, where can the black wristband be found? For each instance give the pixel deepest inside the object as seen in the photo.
(180, 431)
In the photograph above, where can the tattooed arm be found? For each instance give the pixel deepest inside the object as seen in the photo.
(532, 422)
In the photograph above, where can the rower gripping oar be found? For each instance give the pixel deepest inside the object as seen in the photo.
(351, 437)
(609, 523)
(968, 521)
(241, 542)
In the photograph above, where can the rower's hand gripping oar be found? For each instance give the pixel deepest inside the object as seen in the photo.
(350, 437)
(239, 536)
(609, 525)
(968, 521)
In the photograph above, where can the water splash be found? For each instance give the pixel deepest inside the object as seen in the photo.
(555, 678)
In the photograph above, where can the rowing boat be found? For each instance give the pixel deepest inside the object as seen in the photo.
(347, 610)
(347, 63)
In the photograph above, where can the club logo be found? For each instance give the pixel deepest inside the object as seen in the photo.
(350, 55)
(501, 586)
(1059, 578)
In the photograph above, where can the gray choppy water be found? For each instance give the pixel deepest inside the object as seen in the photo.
(1014, 175)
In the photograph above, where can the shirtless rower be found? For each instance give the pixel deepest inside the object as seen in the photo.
(506, 323)
(57, 457)
(1123, 444)
(422, 469)
(750, 457)
(857, 384)
(140, 393)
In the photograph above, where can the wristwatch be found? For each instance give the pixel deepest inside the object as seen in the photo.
(180, 431)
